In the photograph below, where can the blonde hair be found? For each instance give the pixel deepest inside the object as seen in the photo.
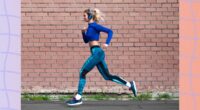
(97, 15)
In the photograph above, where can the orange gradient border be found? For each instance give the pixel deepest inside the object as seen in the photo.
(189, 83)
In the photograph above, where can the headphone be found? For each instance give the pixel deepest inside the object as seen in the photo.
(90, 13)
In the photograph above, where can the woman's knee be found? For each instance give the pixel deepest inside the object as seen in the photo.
(83, 73)
(108, 77)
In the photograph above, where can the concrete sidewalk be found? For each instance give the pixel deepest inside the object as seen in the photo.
(104, 105)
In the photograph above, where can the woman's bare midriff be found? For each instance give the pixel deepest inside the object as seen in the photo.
(93, 43)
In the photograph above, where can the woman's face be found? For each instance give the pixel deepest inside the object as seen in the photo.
(85, 16)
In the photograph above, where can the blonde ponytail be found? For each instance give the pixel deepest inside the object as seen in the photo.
(98, 15)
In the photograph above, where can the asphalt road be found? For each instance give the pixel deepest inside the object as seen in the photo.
(104, 105)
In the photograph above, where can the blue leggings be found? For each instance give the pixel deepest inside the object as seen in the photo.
(97, 59)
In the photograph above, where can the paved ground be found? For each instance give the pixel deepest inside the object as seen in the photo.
(104, 105)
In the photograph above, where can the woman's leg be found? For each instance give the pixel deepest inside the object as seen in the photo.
(96, 56)
(89, 64)
(103, 69)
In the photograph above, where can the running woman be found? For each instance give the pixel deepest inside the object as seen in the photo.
(91, 36)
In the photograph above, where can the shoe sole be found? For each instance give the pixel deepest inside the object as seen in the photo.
(75, 104)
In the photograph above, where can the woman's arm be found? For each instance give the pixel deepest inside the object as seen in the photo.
(84, 36)
(101, 28)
